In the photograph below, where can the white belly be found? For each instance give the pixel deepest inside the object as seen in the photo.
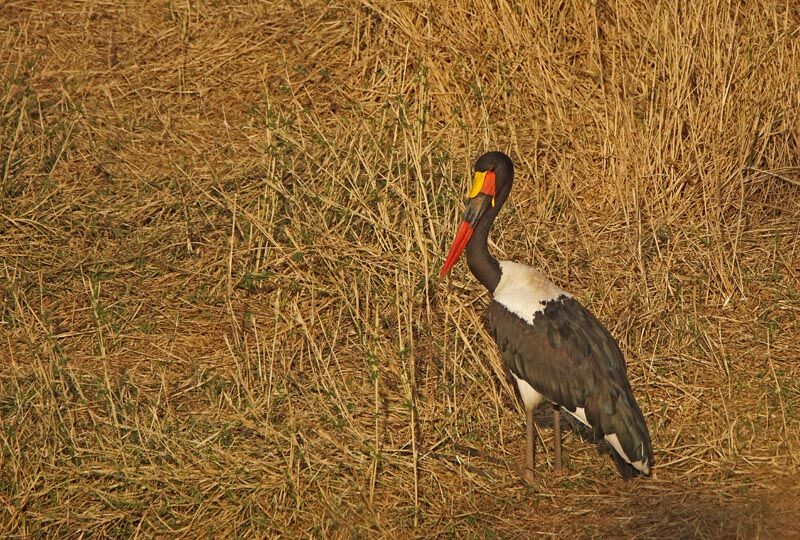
(530, 397)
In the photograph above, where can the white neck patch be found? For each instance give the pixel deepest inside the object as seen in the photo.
(524, 290)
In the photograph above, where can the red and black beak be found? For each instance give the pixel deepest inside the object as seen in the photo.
(481, 195)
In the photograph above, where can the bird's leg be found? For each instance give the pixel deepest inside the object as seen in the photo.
(530, 451)
(557, 439)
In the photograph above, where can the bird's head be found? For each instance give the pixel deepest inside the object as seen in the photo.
(491, 184)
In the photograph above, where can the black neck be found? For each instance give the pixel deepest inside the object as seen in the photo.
(481, 263)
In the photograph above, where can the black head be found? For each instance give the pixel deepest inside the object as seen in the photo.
(503, 169)
(491, 184)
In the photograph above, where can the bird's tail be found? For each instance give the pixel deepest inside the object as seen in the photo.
(631, 441)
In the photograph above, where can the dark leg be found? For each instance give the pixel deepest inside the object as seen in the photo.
(557, 437)
(530, 452)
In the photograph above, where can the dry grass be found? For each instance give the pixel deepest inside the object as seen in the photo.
(220, 228)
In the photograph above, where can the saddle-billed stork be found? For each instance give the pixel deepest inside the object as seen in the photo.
(554, 348)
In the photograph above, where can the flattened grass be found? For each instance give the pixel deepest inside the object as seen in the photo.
(220, 229)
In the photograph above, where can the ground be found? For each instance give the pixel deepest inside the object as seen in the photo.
(221, 225)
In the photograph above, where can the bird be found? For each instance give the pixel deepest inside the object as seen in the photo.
(554, 348)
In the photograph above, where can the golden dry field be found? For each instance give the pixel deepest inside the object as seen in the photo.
(221, 225)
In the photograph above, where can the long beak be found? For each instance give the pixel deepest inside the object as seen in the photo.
(475, 210)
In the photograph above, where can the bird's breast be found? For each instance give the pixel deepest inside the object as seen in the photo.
(524, 291)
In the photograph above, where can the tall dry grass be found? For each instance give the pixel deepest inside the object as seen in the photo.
(220, 228)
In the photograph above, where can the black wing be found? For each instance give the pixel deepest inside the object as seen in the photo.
(569, 357)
